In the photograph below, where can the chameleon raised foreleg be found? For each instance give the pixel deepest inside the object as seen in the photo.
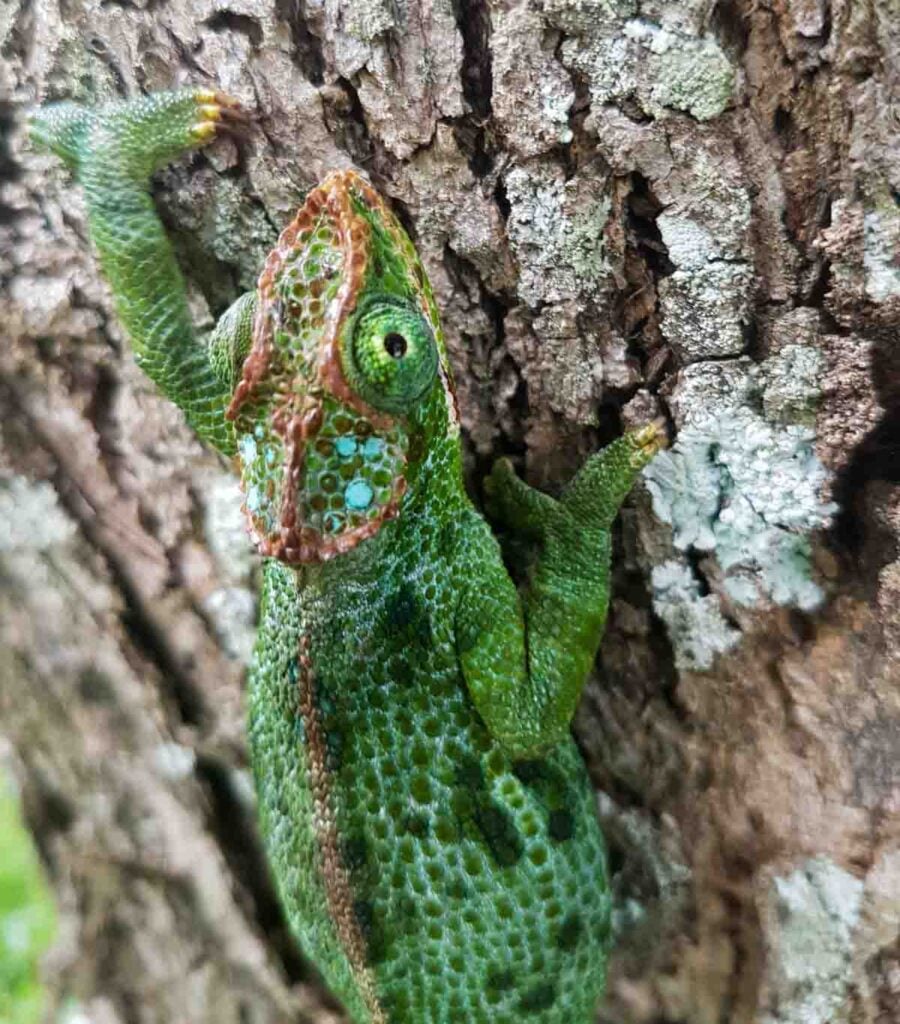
(113, 154)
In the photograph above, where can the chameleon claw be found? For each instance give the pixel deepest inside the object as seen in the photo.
(204, 131)
(218, 112)
(210, 112)
(650, 439)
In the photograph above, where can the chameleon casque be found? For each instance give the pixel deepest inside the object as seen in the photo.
(426, 812)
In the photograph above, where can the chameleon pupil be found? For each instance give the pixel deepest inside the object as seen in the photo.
(395, 345)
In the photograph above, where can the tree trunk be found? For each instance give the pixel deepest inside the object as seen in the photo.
(627, 209)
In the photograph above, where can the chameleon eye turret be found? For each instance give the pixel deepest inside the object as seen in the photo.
(391, 359)
(428, 818)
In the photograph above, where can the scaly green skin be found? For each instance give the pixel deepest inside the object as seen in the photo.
(427, 815)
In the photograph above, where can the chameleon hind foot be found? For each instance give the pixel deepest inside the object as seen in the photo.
(648, 440)
(138, 136)
(591, 499)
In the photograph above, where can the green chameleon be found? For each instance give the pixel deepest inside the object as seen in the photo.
(426, 812)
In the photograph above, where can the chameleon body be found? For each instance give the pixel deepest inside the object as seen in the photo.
(428, 817)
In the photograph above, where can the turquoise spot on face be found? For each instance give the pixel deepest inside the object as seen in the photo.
(358, 495)
(247, 447)
(271, 456)
(253, 499)
(373, 447)
(345, 446)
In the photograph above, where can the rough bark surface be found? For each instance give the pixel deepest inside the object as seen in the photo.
(627, 208)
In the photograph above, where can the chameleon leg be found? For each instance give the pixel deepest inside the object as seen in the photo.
(511, 501)
(601, 485)
(113, 152)
(526, 665)
(231, 339)
(592, 498)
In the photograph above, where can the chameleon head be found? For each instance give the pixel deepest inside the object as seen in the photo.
(347, 358)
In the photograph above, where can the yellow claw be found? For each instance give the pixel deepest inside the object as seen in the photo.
(204, 131)
(651, 438)
(206, 95)
(210, 112)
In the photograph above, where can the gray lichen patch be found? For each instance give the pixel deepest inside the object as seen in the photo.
(30, 517)
(665, 67)
(556, 229)
(231, 607)
(791, 382)
(697, 629)
(704, 225)
(533, 93)
(704, 310)
(815, 910)
(881, 252)
(405, 67)
(741, 487)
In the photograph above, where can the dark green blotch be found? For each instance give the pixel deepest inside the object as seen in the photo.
(447, 541)
(561, 826)
(470, 774)
(334, 749)
(547, 781)
(541, 997)
(370, 926)
(500, 834)
(500, 980)
(529, 772)
(355, 852)
(569, 931)
(323, 700)
(406, 618)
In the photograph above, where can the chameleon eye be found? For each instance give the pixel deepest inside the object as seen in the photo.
(391, 359)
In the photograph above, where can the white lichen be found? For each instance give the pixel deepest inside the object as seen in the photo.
(697, 629)
(741, 488)
(748, 491)
(816, 908)
(881, 253)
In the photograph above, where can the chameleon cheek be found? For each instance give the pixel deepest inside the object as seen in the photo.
(315, 491)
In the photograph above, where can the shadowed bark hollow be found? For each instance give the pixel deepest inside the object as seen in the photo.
(627, 209)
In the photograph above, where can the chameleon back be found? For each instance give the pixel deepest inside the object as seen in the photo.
(462, 885)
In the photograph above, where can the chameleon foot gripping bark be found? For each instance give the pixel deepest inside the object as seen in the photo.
(427, 815)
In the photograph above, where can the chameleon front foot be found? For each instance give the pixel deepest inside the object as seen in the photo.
(137, 137)
(217, 111)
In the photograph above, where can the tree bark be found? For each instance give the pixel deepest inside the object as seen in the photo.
(627, 209)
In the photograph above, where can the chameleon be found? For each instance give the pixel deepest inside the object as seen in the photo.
(426, 812)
